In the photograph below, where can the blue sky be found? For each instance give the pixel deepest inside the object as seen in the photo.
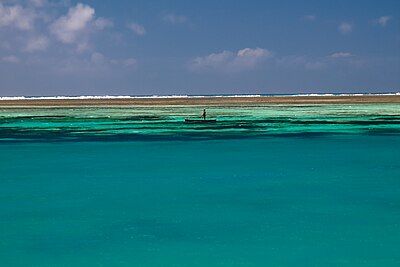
(198, 47)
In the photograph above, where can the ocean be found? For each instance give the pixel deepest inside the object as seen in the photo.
(268, 185)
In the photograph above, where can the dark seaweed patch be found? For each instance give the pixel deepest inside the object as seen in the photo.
(304, 134)
(382, 131)
(350, 122)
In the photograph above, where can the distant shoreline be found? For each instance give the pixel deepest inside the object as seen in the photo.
(199, 100)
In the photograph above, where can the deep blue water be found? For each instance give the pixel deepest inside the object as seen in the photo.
(329, 199)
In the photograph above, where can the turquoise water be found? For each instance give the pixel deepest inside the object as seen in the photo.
(264, 186)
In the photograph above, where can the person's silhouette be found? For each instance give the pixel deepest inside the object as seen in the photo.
(204, 114)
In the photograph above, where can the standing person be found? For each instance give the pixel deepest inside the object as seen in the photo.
(204, 114)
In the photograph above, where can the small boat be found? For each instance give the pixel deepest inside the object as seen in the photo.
(200, 121)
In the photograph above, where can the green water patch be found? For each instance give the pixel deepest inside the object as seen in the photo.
(167, 123)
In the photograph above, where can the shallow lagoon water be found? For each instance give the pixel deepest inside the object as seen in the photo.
(166, 122)
(265, 186)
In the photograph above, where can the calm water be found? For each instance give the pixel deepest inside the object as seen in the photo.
(265, 186)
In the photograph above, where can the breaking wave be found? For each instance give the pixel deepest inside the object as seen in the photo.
(180, 96)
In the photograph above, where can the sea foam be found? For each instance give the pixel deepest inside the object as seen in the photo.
(94, 97)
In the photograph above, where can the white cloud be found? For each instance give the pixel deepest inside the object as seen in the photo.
(345, 28)
(103, 23)
(341, 55)
(11, 59)
(248, 58)
(227, 61)
(214, 60)
(17, 16)
(382, 21)
(137, 28)
(309, 17)
(130, 62)
(174, 19)
(82, 46)
(97, 58)
(38, 43)
(68, 28)
(77, 26)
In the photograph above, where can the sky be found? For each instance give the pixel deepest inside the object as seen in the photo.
(160, 47)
